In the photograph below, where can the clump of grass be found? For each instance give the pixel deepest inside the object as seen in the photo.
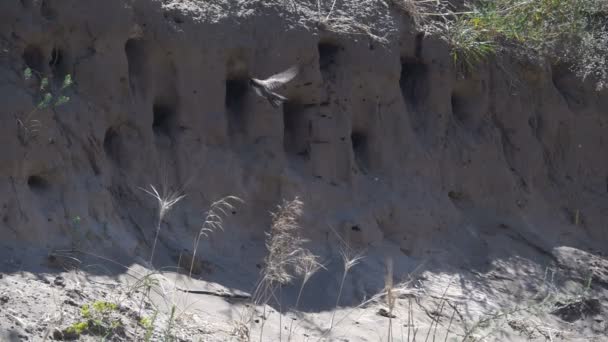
(573, 32)
(469, 47)
(213, 221)
(97, 319)
(287, 257)
(147, 283)
(148, 324)
(284, 243)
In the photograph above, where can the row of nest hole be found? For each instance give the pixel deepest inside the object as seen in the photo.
(415, 83)
(164, 114)
(295, 129)
(236, 89)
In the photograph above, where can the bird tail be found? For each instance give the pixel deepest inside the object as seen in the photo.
(276, 100)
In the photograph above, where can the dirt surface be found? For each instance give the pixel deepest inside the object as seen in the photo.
(489, 191)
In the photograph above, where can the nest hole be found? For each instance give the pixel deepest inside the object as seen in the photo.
(111, 144)
(38, 184)
(360, 145)
(234, 101)
(47, 10)
(135, 51)
(164, 118)
(58, 65)
(328, 53)
(460, 108)
(26, 3)
(413, 81)
(297, 130)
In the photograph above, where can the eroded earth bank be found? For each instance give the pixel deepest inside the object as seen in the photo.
(487, 189)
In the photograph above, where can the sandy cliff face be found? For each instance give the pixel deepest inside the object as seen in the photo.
(383, 140)
(489, 176)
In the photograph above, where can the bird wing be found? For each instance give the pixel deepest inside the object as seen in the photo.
(281, 78)
(257, 89)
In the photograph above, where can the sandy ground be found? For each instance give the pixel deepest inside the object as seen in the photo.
(516, 300)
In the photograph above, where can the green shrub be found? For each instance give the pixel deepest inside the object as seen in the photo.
(97, 320)
(571, 32)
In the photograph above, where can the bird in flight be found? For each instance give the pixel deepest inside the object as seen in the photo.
(264, 88)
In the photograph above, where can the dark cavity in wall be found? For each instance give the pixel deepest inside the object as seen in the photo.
(236, 93)
(38, 184)
(328, 53)
(47, 10)
(360, 144)
(26, 3)
(460, 108)
(165, 117)
(136, 53)
(297, 130)
(111, 144)
(58, 65)
(34, 58)
(418, 45)
(414, 82)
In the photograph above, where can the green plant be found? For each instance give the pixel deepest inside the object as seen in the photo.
(572, 32)
(469, 46)
(104, 308)
(97, 320)
(85, 311)
(46, 98)
(148, 324)
(78, 328)
(168, 336)
(147, 282)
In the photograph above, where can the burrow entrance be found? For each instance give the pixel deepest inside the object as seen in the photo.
(297, 130)
(414, 82)
(165, 117)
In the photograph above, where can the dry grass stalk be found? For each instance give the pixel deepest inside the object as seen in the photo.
(397, 291)
(308, 266)
(390, 297)
(214, 219)
(284, 245)
(447, 332)
(350, 259)
(439, 311)
(286, 255)
(165, 202)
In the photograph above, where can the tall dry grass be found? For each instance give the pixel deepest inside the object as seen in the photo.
(166, 201)
(214, 219)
